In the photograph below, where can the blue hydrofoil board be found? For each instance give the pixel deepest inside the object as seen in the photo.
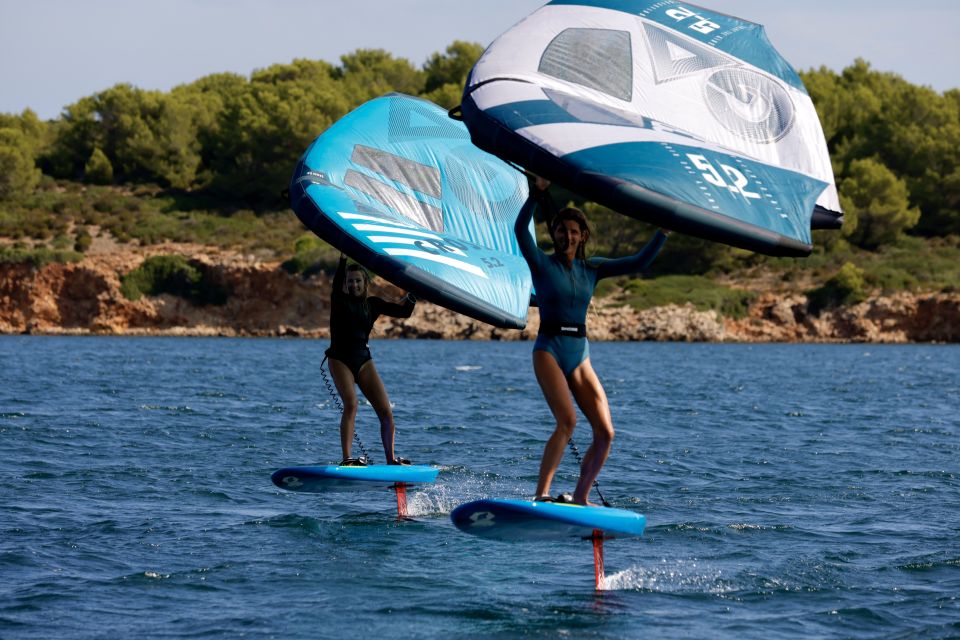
(336, 478)
(527, 520)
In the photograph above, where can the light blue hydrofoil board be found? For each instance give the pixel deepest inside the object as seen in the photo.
(320, 479)
(527, 520)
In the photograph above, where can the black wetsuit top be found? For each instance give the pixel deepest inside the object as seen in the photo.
(351, 321)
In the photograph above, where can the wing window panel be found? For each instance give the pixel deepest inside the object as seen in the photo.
(599, 59)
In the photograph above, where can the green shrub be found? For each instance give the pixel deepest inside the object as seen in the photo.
(876, 204)
(847, 287)
(98, 169)
(61, 242)
(19, 175)
(701, 291)
(19, 254)
(175, 275)
(312, 256)
(308, 242)
(891, 279)
(108, 203)
(311, 262)
(83, 240)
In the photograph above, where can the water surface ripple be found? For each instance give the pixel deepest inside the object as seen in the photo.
(791, 491)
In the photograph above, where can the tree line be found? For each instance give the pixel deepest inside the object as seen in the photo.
(233, 137)
(895, 146)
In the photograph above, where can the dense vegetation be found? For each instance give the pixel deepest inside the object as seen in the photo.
(175, 275)
(206, 162)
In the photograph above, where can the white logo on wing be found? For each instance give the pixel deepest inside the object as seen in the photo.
(482, 519)
(428, 246)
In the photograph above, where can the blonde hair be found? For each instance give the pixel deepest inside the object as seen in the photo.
(364, 274)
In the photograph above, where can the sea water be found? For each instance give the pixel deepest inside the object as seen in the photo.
(790, 490)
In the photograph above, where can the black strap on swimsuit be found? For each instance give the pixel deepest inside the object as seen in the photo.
(563, 329)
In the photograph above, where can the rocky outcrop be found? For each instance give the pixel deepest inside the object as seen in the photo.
(85, 298)
(899, 318)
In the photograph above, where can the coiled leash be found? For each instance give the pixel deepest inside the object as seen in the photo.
(339, 404)
(596, 485)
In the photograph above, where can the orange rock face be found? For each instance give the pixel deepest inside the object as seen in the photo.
(85, 298)
(900, 318)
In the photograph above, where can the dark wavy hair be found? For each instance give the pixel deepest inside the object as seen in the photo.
(572, 213)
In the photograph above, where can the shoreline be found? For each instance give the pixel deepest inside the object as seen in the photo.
(84, 298)
(607, 324)
(177, 333)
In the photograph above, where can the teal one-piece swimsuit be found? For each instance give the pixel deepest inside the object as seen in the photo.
(564, 293)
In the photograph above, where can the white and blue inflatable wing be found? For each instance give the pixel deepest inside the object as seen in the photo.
(663, 111)
(397, 186)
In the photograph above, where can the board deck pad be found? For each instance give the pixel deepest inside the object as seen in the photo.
(318, 479)
(501, 519)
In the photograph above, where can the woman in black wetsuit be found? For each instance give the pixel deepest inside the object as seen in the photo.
(352, 314)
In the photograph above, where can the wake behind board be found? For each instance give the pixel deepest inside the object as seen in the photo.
(527, 520)
(319, 479)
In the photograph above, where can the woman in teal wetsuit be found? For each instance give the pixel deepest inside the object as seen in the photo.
(564, 282)
(352, 314)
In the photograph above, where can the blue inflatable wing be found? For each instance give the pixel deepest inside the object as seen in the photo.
(397, 186)
(664, 111)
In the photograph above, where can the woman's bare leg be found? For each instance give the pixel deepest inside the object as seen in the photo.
(376, 393)
(592, 400)
(557, 394)
(343, 379)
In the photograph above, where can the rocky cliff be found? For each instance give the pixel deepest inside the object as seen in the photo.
(85, 298)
